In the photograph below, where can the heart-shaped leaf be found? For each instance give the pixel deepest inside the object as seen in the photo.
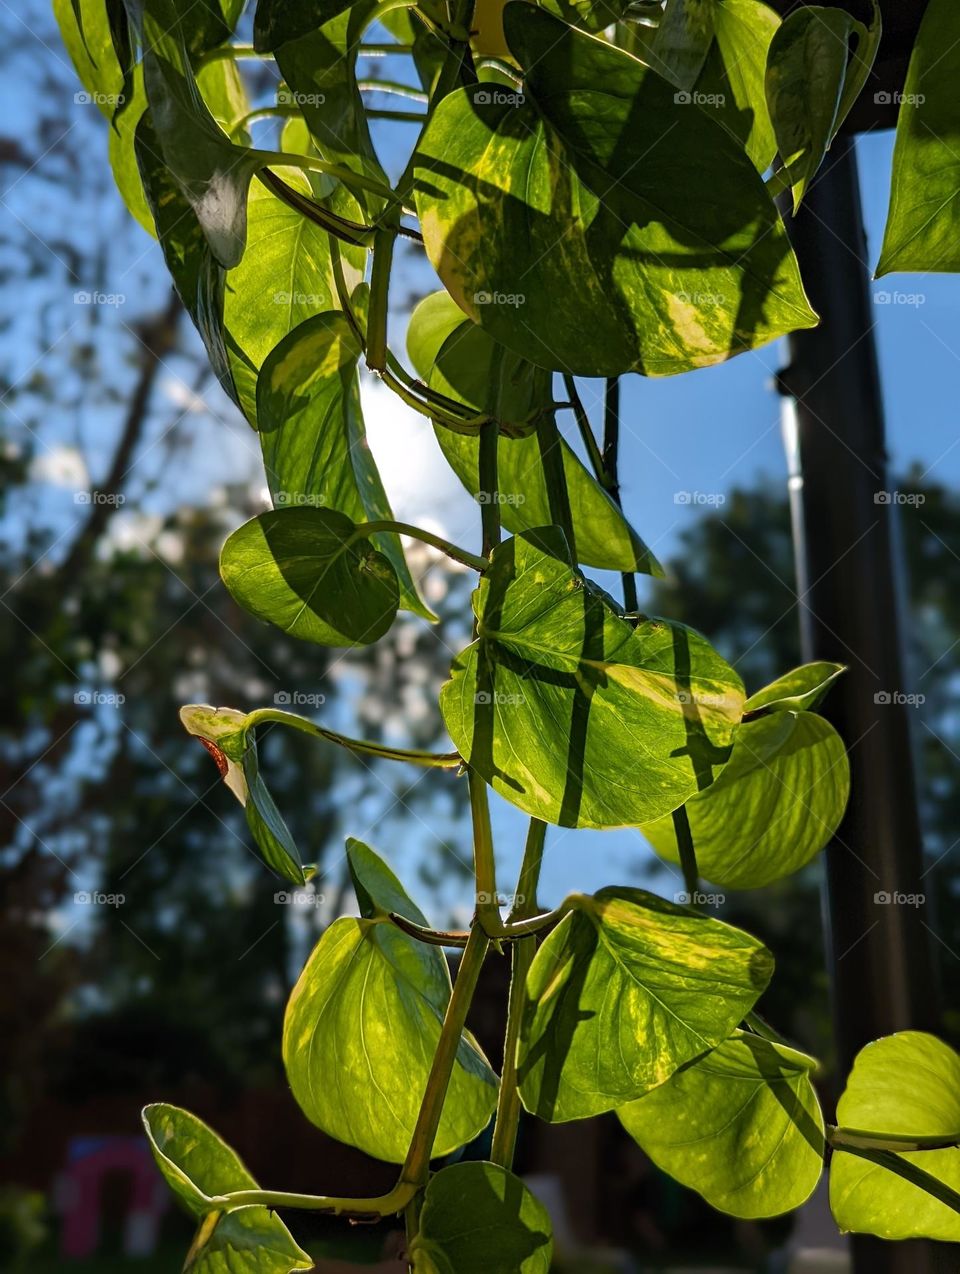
(313, 439)
(923, 223)
(310, 572)
(477, 1218)
(459, 359)
(198, 1166)
(777, 802)
(365, 1018)
(799, 690)
(558, 694)
(906, 1084)
(741, 1124)
(596, 225)
(624, 991)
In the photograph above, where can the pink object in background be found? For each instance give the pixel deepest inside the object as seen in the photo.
(79, 1189)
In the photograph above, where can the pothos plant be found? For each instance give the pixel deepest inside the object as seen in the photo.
(591, 181)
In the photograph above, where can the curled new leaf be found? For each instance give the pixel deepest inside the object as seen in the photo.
(626, 990)
(310, 572)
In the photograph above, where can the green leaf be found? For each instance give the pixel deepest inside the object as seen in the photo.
(805, 79)
(311, 573)
(320, 71)
(558, 696)
(624, 991)
(573, 226)
(683, 39)
(777, 802)
(197, 276)
(590, 15)
(923, 223)
(198, 1166)
(734, 76)
(363, 1019)
(799, 690)
(224, 733)
(278, 21)
(312, 434)
(378, 890)
(909, 1084)
(476, 1213)
(213, 173)
(457, 358)
(741, 1125)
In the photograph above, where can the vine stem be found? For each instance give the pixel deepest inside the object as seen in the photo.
(464, 556)
(853, 1139)
(508, 1101)
(611, 462)
(432, 760)
(383, 1205)
(688, 856)
(910, 1171)
(484, 865)
(417, 1163)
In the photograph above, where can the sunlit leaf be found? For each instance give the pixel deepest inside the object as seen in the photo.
(907, 1084)
(732, 84)
(799, 690)
(777, 803)
(741, 1125)
(459, 359)
(624, 991)
(278, 21)
(311, 573)
(312, 434)
(558, 696)
(923, 223)
(598, 224)
(476, 1218)
(198, 1166)
(365, 1018)
(683, 39)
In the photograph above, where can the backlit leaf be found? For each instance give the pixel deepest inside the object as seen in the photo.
(624, 991)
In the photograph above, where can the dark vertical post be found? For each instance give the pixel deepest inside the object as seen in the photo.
(880, 957)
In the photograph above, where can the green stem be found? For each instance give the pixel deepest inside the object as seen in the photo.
(464, 556)
(857, 1139)
(555, 477)
(417, 1163)
(594, 453)
(611, 460)
(384, 1205)
(402, 117)
(383, 50)
(488, 480)
(688, 857)
(235, 51)
(508, 1101)
(351, 232)
(432, 937)
(395, 87)
(457, 424)
(312, 163)
(383, 242)
(430, 760)
(760, 1026)
(484, 865)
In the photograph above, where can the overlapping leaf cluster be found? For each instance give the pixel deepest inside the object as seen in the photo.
(591, 183)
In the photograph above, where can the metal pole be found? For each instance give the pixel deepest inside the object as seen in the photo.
(879, 954)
